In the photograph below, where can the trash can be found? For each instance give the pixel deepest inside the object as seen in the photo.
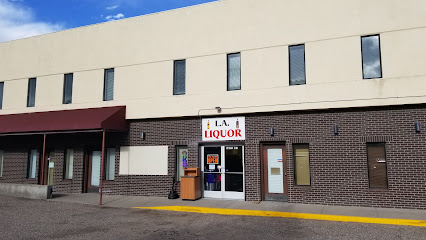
(190, 184)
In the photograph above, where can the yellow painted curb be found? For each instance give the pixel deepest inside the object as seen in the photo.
(337, 218)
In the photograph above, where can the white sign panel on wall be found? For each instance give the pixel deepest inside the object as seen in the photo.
(223, 129)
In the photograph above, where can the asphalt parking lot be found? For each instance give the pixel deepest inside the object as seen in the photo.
(37, 219)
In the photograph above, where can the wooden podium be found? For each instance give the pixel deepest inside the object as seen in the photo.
(190, 184)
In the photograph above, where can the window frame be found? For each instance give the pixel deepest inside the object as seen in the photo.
(65, 88)
(227, 72)
(289, 64)
(107, 176)
(1, 94)
(1, 162)
(380, 57)
(178, 165)
(28, 91)
(294, 164)
(105, 84)
(67, 163)
(386, 165)
(174, 77)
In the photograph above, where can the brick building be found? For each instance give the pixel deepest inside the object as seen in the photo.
(327, 109)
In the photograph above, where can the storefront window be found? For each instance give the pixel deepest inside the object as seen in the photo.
(110, 164)
(182, 156)
(69, 163)
(301, 164)
(32, 162)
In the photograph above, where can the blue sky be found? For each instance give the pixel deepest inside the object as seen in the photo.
(25, 18)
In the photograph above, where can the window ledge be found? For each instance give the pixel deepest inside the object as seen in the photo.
(378, 189)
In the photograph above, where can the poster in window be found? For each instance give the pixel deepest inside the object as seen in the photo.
(182, 159)
(213, 159)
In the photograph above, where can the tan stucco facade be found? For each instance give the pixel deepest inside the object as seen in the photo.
(142, 50)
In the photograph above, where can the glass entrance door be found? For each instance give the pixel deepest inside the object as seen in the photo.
(223, 171)
(94, 178)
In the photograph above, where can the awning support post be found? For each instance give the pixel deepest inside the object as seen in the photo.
(102, 165)
(43, 161)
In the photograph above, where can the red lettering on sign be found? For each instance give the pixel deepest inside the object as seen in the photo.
(216, 134)
(223, 133)
(231, 133)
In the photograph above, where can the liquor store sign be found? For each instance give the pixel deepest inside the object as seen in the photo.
(223, 129)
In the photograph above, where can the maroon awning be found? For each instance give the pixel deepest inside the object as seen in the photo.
(108, 118)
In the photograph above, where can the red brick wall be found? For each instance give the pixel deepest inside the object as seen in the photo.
(170, 132)
(338, 163)
(15, 160)
(15, 164)
(75, 184)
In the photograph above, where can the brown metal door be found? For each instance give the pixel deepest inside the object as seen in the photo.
(377, 165)
(274, 174)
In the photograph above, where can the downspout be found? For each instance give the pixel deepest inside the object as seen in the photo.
(102, 165)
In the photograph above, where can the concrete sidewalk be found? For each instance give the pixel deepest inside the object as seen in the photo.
(137, 201)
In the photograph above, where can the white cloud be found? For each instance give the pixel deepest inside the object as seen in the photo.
(112, 7)
(114, 17)
(120, 15)
(18, 21)
(372, 69)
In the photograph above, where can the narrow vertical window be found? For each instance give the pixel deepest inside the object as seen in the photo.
(377, 172)
(301, 164)
(181, 157)
(31, 92)
(234, 71)
(1, 162)
(68, 79)
(69, 163)
(32, 163)
(110, 164)
(1, 94)
(109, 84)
(179, 72)
(371, 59)
(297, 64)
